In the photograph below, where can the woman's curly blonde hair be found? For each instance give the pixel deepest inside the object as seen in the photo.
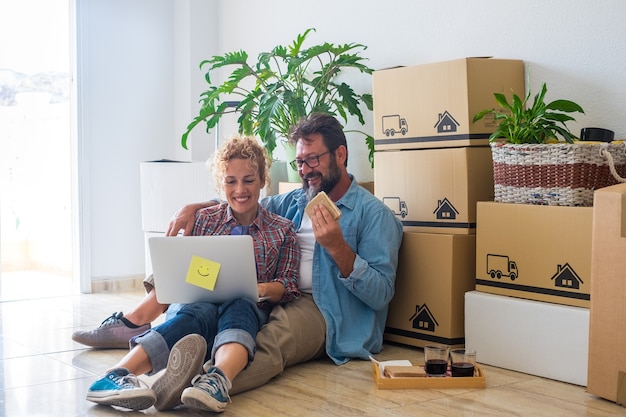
(241, 147)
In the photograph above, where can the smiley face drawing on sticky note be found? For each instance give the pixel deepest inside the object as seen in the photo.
(202, 272)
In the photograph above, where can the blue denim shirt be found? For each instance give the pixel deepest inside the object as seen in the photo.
(354, 307)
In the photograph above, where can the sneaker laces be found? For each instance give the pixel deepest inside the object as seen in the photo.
(130, 381)
(213, 383)
(112, 320)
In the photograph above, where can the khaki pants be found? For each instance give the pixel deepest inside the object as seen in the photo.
(294, 334)
(148, 283)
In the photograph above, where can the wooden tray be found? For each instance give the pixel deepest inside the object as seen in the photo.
(477, 381)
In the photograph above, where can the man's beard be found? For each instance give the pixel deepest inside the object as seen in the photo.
(327, 184)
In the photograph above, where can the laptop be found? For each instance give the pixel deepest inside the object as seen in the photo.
(215, 269)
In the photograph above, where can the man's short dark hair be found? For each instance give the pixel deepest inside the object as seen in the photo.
(324, 124)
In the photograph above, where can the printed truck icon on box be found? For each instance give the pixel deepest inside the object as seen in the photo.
(397, 206)
(393, 124)
(499, 266)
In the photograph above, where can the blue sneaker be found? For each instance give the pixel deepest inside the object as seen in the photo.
(123, 389)
(209, 391)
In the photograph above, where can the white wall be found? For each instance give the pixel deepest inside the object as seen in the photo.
(575, 46)
(136, 62)
(136, 82)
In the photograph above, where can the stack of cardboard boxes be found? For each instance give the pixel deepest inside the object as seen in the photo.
(431, 166)
(530, 310)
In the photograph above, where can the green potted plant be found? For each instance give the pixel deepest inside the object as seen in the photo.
(533, 165)
(539, 123)
(282, 86)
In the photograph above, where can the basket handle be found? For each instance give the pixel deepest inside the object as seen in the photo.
(605, 153)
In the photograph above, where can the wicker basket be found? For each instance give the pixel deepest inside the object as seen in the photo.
(559, 174)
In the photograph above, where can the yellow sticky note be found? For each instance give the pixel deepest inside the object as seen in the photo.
(203, 272)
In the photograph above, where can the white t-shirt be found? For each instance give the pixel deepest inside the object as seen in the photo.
(307, 245)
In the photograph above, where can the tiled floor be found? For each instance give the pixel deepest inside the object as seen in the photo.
(44, 373)
(26, 285)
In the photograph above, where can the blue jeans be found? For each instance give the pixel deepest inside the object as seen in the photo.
(236, 321)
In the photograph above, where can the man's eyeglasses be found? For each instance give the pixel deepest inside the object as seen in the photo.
(311, 161)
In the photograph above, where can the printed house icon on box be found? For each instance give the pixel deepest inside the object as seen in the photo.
(445, 210)
(566, 277)
(446, 123)
(423, 319)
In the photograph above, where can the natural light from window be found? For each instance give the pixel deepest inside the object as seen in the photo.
(35, 161)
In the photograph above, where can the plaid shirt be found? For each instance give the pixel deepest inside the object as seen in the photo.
(276, 246)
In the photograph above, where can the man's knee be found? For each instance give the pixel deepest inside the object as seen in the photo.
(272, 340)
(294, 334)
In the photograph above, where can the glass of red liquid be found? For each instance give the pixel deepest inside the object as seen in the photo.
(462, 362)
(436, 360)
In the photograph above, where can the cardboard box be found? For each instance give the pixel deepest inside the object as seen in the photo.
(166, 186)
(435, 190)
(536, 252)
(432, 105)
(537, 338)
(607, 335)
(434, 272)
(285, 187)
(368, 185)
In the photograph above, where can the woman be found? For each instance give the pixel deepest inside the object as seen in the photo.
(224, 333)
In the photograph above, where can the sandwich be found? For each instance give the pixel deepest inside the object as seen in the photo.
(323, 199)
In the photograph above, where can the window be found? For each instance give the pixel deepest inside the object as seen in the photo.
(35, 157)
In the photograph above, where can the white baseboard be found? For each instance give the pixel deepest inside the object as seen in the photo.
(117, 284)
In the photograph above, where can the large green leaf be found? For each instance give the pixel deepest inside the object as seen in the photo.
(282, 86)
(565, 106)
(518, 123)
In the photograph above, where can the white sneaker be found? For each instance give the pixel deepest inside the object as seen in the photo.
(185, 361)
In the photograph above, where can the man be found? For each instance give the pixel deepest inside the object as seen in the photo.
(348, 266)
(347, 269)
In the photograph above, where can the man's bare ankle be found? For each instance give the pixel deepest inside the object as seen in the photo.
(133, 319)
